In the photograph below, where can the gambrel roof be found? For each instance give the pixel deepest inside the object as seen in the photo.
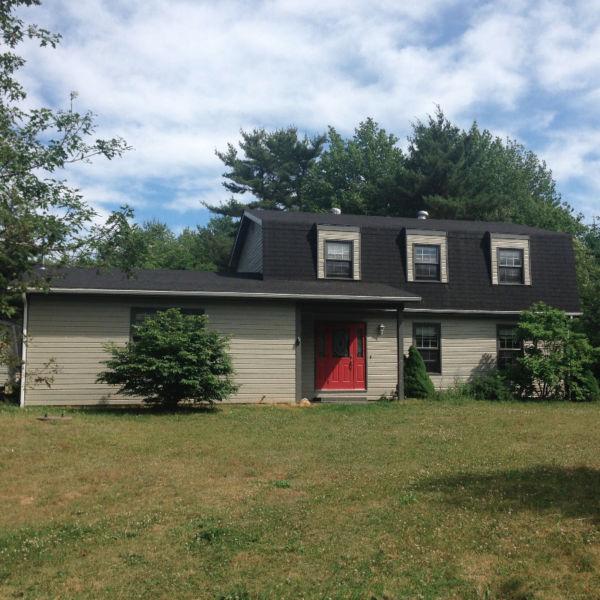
(289, 252)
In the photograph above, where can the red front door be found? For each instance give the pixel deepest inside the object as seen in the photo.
(340, 356)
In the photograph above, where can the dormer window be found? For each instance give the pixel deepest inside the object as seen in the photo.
(427, 262)
(338, 259)
(426, 255)
(338, 252)
(510, 257)
(510, 265)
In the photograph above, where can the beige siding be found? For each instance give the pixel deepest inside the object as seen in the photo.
(4, 369)
(251, 256)
(73, 330)
(338, 234)
(497, 241)
(468, 345)
(4, 375)
(381, 353)
(430, 238)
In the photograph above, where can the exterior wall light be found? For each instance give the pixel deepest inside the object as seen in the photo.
(380, 328)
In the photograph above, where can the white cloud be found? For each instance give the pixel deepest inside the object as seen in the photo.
(180, 78)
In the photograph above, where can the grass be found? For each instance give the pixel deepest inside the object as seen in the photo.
(385, 501)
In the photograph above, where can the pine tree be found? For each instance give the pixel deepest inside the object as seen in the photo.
(417, 383)
(272, 166)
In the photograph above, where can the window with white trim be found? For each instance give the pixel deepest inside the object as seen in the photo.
(138, 314)
(426, 262)
(338, 259)
(427, 341)
(509, 346)
(510, 265)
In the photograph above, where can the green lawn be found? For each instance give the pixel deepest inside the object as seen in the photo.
(410, 500)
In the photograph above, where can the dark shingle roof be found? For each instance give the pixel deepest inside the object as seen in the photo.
(289, 260)
(397, 223)
(289, 246)
(162, 281)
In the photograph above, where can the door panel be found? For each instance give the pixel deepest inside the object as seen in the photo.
(360, 364)
(340, 356)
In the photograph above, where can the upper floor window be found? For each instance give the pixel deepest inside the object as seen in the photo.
(509, 346)
(427, 340)
(427, 262)
(338, 252)
(510, 256)
(510, 265)
(426, 255)
(338, 259)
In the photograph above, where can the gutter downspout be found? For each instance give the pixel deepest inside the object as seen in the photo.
(400, 351)
(24, 351)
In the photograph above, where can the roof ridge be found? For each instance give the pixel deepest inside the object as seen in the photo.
(466, 225)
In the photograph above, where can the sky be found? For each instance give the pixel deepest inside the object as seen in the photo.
(178, 79)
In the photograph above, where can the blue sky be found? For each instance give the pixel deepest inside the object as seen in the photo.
(179, 79)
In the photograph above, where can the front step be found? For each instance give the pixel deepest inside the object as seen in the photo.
(342, 400)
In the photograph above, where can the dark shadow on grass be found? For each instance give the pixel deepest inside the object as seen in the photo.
(573, 492)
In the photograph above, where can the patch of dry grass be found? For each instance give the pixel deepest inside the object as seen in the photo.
(411, 500)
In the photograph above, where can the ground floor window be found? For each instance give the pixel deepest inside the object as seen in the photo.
(427, 340)
(138, 314)
(509, 346)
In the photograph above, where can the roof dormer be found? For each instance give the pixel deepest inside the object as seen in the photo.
(426, 256)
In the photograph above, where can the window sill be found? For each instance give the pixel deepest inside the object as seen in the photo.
(513, 284)
(339, 278)
(426, 281)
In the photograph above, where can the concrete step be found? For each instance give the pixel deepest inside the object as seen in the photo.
(342, 400)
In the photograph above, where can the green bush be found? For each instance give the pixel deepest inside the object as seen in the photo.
(556, 358)
(492, 385)
(175, 358)
(417, 383)
(457, 393)
(586, 388)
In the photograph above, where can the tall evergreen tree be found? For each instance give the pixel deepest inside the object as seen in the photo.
(272, 167)
(472, 174)
(362, 174)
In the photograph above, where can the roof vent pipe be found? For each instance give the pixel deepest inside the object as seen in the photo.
(422, 214)
(336, 211)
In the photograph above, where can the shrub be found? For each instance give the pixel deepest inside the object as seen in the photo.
(586, 387)
(175, 357)
(556, 359)
(492, 385)
(457, 393)
(417, 383)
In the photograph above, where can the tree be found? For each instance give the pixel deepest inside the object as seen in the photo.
(452, 172)
(122, 243)
(40, 215)
(458, 174)
(588, 276)
(208, 247)
(175, 357)
(360, 175)
(417, 383)
(556, 358)
(273, 167)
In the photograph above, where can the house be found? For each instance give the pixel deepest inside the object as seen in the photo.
(321, 306)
